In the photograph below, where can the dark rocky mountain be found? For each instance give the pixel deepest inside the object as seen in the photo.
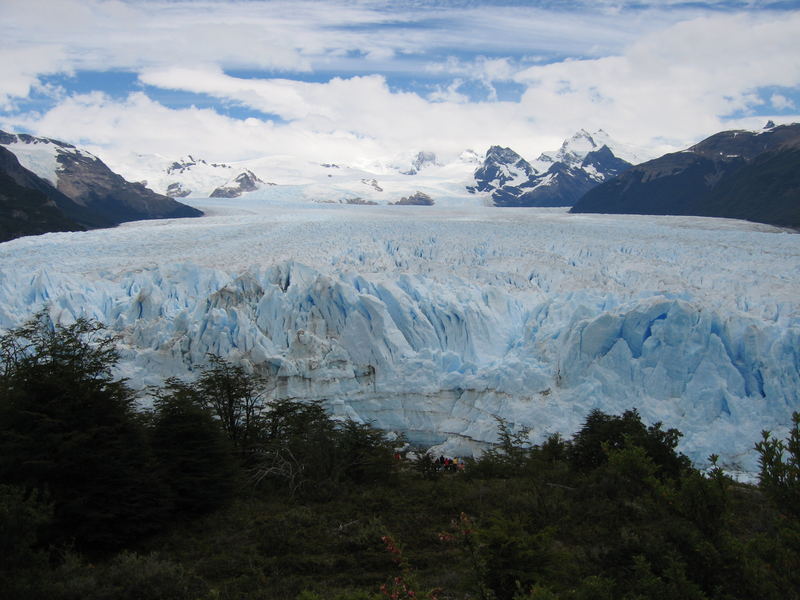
(513, 181)
(177, 190)
(416, 199)
(502, 167)
(734, 174)
(88, 181)
(246, 181)
(100, 197)
(27, 206)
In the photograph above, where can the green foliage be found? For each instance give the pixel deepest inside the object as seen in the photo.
(780, 477)
(195, 455)
(614, 513)
(426, 465)
(516, 554)
(128, 576)
(301, 449)
(601, 433)
(365, 453)
(68, 427)
(509, 456)
(235, 397)
(22, 517)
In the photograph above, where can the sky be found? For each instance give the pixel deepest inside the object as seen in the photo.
(358, 80)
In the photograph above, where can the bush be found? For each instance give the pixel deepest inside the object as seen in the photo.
(301, 449)
(601, 433)
(128, 576)
(195, 455)
(67, 427)
(779, 477)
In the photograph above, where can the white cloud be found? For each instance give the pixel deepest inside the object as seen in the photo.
(481, 68)
(21, 67)
(659, 77)
(297, 35)
(680, 83)
(781, 102)
(112, 128)
(449, 93)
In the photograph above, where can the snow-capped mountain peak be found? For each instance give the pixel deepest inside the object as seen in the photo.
(555, 179)
(38, 155)
(575, 149)
(106, 197)
(421, 160)
(188, 163)
(246, 181)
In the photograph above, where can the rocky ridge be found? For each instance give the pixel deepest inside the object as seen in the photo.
(246, 181)
(752, 175)
(99, 197)
(562, 178)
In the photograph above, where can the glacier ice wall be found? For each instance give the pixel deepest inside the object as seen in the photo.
(435, 323)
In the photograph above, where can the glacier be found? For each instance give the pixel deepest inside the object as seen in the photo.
(434, 321)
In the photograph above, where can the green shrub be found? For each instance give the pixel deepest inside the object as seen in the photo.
(68, 426)
(601, 433)
(195, 455)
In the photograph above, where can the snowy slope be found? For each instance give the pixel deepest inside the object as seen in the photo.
(99, 197)
(575, 148)
(384, 180)
(373, 182)
(39, 155)
(434, 321)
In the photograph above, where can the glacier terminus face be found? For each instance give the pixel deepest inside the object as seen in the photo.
(434, 321)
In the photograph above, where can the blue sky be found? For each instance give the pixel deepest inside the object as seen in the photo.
(352, 80)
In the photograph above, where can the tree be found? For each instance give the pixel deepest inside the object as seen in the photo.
(68, 428)
(236, 398)
(601, 433)
(22, 517)
(300, 445)
(368, 456)
(296, 445)
(780, 477)
(194, 453)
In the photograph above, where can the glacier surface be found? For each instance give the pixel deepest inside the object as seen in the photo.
(433, 321)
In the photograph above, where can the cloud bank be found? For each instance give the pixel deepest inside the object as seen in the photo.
(354, 80)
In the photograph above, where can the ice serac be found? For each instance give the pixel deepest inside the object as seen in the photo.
(434, 324)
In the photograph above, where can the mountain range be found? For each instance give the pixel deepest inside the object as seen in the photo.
(49, 185)
(752, 175)
(562, 178)
(501, 177)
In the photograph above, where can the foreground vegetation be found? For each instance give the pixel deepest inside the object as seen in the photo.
(215, 494)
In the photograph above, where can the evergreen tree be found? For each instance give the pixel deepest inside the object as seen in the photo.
(67, 427)
(601, 433)
(235, 397)
(780, 476)
(195, 454)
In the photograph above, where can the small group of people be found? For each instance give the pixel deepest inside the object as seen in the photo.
(449, 464)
